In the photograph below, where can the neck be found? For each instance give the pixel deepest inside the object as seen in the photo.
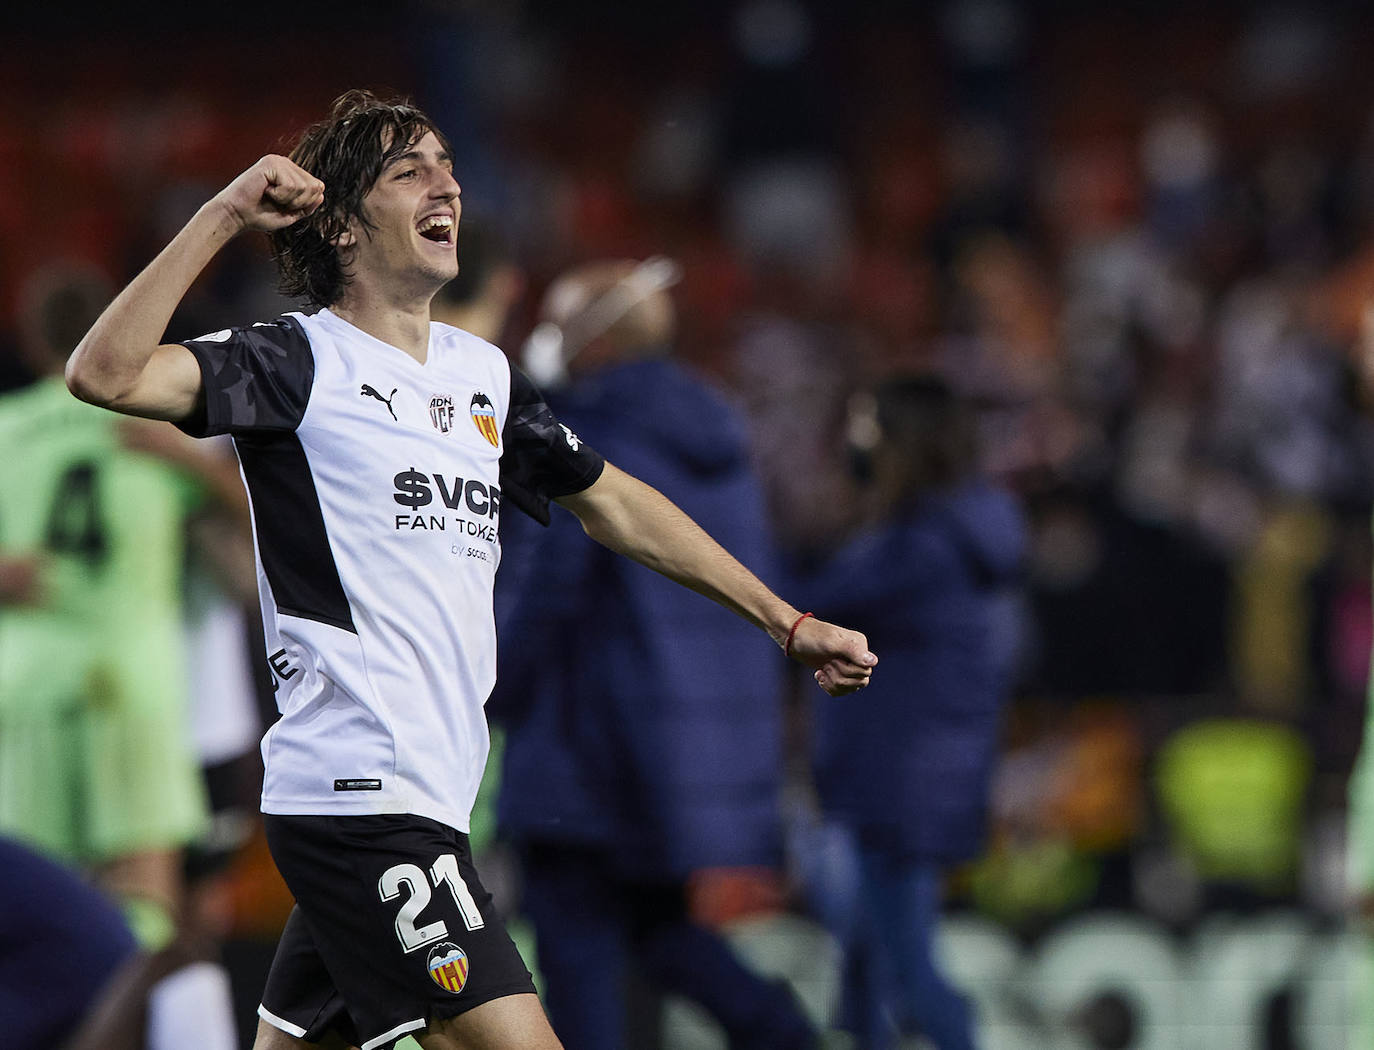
(405, 325)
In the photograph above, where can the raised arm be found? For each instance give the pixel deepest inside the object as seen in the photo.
(120, 364)
(636, 520)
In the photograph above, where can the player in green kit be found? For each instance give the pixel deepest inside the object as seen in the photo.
(96, 761)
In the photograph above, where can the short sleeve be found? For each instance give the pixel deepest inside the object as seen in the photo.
(541, 459)
(255, 379)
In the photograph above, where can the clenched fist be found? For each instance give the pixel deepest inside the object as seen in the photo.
(840, 659)
(271, 195)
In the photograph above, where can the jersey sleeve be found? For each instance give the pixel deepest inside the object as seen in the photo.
(254, 379)
(542, 458)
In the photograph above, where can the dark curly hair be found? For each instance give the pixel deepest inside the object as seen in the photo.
(347, 152)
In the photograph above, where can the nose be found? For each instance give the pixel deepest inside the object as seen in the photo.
(446, 185)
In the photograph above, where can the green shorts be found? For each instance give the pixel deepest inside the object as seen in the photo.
(88, 784)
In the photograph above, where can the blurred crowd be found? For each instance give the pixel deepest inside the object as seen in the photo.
(1139, 243)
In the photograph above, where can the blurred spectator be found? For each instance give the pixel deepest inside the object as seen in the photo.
(643, 729)
(50, 915)
(904, 772)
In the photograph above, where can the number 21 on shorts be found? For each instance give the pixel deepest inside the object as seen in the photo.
(409, 880)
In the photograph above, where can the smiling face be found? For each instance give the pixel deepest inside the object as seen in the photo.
(407, 247)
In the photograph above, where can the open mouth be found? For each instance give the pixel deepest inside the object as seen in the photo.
(437, 228)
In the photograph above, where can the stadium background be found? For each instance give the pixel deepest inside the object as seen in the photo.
(1140, 234)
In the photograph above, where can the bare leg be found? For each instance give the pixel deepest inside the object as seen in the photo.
(270, 1037)
(514, 1022)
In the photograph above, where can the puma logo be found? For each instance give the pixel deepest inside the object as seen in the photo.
(367, 391)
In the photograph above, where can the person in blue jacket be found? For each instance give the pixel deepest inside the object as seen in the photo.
(62, 945)
(643, 723)
(903, 773)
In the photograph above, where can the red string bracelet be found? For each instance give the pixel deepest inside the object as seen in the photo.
(787, 646)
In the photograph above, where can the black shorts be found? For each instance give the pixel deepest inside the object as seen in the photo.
(391, 929)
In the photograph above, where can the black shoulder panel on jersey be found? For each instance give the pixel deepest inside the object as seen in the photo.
(540, 459)
(292, 542)
(254, 379)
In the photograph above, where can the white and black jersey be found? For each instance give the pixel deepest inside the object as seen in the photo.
(377, 485)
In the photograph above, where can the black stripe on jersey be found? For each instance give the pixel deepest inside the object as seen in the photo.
(292, 541)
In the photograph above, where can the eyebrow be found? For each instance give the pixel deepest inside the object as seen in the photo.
(442, 157)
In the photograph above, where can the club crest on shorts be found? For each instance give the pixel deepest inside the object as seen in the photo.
(448, 965)
(441, 412)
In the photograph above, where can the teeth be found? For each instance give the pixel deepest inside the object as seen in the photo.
(435, 222)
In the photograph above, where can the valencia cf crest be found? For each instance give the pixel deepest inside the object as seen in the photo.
(484, 415)
(441, 412)
(448, 965)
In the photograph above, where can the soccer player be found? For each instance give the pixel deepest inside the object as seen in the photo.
(378, 450)
(96, 767)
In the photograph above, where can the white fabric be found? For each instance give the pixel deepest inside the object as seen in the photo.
(401, 700)
(192, 1006)
(224, 714)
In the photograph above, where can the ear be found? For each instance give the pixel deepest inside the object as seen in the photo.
(347, 239)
